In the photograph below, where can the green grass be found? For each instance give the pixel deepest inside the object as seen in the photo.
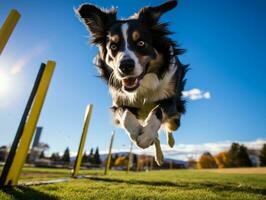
(164, 184)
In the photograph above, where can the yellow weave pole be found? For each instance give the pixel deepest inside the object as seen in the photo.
(30, 126)
(83, 139)
(7, 28)
(107, 166)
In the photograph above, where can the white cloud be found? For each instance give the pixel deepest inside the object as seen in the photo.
(27, 57)
(207, 95)
(196, 94)
(185, 151)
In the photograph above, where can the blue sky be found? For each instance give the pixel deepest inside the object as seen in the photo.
(225, 43)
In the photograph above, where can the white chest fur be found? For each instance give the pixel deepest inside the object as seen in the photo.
(151, 89)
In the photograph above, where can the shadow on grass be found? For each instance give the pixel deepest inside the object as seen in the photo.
(26, 193)
(188, 185)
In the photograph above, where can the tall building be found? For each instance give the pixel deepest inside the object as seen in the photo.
(37, 137)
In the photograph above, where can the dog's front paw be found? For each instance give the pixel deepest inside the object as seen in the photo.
(131, 125)
(146, 138)
(149, 131)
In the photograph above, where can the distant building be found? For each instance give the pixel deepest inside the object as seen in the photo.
(37, 137)
(37, 147)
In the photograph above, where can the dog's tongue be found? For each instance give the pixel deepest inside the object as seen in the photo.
(129, 82)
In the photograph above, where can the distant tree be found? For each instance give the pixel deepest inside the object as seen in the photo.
(243, 159)
(97, 159)
(91, 152)
(91, 156)
(55, 157)
(232, 155)
(42, 155)
(85, 158)
(33, 155)
(66, 156)
(262, 156)
(43, 146)
(37, 152)
(238, 156)
(222, 159)
(3, 153)
(206, 161)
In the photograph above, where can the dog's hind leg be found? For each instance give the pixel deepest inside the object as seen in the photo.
(170, 139)
(158, 152)
(170, 126)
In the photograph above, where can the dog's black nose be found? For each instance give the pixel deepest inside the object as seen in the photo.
(127, 66)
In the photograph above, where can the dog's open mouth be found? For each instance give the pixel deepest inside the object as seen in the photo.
(132, 83)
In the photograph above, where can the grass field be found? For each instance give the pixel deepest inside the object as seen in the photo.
(175, 184)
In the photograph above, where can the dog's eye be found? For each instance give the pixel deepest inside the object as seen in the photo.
(113, 47)
(140, 43)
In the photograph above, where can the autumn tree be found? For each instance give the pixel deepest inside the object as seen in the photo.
(206, 161)
(113, 159)
(121, 161)
(222, 159)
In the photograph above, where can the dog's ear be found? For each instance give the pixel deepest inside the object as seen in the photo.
(97, 21)
(151, 15)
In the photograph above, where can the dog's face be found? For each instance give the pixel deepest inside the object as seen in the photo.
(126, 46)
(129, 51)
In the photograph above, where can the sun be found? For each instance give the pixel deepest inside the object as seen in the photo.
(4, 83)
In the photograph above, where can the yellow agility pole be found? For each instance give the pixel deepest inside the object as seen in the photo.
(7, 28)
(107, 166)
(82, 141)
(30, 126)
(21, 126)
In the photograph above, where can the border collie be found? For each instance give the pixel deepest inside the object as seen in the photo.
(139, 62)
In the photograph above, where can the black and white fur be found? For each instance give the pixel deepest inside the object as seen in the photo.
(139, 63)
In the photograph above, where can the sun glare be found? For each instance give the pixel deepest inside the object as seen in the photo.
(4, 83)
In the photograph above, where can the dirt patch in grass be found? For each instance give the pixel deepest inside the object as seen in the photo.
(253, 170)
